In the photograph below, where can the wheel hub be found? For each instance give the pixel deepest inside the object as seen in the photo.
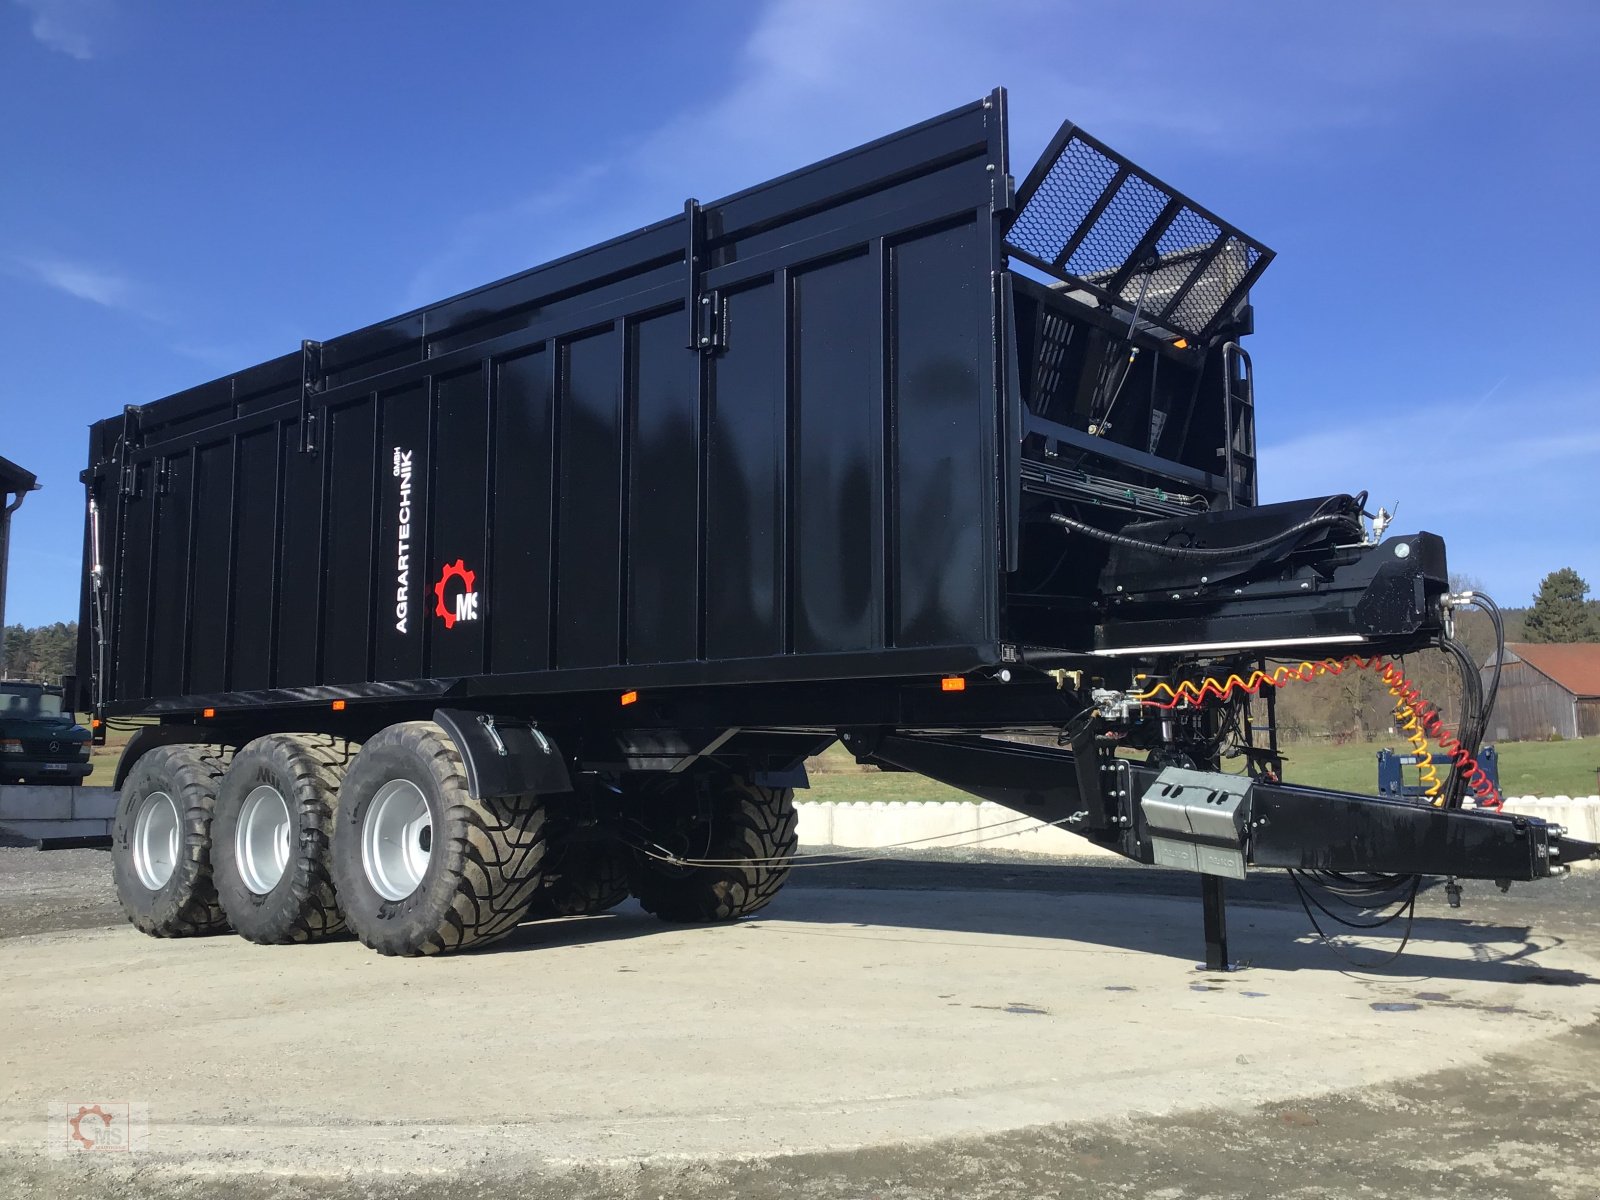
(261, 843)
(156, 834)
(396, 839)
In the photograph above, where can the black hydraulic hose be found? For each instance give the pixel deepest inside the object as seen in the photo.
(1480, 601)
(1204, 552)
(1474, 718)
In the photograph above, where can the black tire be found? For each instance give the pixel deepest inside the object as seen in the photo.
(731, 818)
(306, 770)
(483, 856)
(581, 878)
(185, 904)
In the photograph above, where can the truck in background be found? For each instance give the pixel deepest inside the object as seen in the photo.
(40, 742)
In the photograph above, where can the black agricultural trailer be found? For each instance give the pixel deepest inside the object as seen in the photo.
(541, 595)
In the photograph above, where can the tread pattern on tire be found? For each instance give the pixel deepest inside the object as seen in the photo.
(584, 879)
(751, 822)
(492, 851)
(329, 757)
(318, 762)
(195, 771)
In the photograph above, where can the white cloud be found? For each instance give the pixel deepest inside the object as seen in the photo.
(813, 77)
(71, 26)
(84, 281)
(451, 269)
(1508, 496)
(1420, 454)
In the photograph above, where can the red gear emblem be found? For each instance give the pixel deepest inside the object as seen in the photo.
(77, 1124)
(469, 580)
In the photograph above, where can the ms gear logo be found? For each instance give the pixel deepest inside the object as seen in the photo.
(464, 607)
(90, 1137)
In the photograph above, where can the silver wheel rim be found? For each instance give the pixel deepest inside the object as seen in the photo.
(261, 842)
(156, 833)
(396, 839)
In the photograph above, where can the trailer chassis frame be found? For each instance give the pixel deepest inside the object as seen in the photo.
(1117, 803)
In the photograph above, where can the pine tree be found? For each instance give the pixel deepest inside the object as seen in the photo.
(1559, 613)
(45, 652)
(16, 652)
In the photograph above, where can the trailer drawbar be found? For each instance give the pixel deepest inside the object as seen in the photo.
(540, 596)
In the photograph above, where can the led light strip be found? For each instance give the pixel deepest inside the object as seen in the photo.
(1343, 639)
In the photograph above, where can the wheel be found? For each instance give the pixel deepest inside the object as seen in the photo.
(161, 842)
(728, 818)
(270, 838)
(581, 878)
(420, 866)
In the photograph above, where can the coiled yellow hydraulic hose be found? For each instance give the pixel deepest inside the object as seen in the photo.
(1419, 719)
(1411, 725)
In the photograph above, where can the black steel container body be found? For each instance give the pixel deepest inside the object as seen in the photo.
(760, 441)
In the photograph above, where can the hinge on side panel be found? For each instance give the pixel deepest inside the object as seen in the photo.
(1002, 187)
(711, 330)
(127, 474)
(1004, 194)
(310, 385)
(707, 328)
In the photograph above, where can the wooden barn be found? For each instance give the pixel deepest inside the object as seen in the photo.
(1547, 690)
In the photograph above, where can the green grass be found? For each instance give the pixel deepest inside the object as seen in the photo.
(103, 759)
(1526, 769)
(837, 779)
(1549, 768)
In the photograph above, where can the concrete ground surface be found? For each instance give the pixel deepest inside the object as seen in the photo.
(917, 1028)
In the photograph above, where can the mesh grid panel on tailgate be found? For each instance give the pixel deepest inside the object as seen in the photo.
(1089, 217)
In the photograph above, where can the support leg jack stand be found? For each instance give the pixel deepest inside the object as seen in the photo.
(1214, 899)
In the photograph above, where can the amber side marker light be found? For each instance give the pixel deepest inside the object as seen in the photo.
(338, 706)
(629, 698)
(210, 712)
(1181, 344)
(953, 683)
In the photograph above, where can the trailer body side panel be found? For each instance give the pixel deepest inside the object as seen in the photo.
(754, 442)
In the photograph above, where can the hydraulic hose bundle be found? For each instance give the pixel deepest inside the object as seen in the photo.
(1422, 718)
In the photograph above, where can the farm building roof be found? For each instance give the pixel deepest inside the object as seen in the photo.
(14, 479)
(1573, 665)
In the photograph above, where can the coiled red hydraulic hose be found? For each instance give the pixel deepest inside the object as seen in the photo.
(1405, 692)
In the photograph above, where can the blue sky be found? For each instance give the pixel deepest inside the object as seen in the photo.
(191, 187)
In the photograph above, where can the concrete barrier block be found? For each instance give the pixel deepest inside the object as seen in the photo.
(814, 823)
(35, 802)
(94, 803)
